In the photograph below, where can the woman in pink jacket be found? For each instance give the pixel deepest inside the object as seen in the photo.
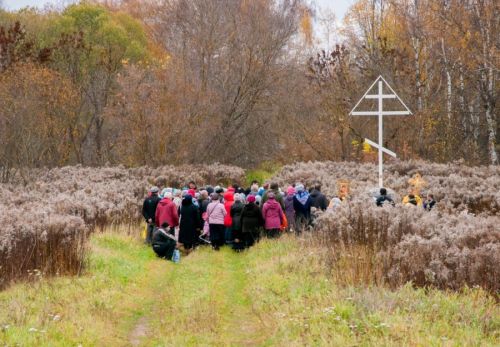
(273, 216)
(216, 212)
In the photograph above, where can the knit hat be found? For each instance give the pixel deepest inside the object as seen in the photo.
(251, 198)
(154, 190)
(192, 192)
(290, 190)
(299, 188)
(168, 195)
(238, 197)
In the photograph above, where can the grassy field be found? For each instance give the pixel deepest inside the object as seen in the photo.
(275, 294)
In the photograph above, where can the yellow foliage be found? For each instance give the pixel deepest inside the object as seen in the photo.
(306, 26)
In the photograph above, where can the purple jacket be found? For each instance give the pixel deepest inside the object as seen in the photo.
(273, 214)
(216, 213)
(289, 210)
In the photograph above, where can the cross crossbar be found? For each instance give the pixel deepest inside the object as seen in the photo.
(383, 113)
(385, 150)
(385, 96)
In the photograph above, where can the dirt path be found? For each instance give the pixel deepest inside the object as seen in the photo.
(203, 300)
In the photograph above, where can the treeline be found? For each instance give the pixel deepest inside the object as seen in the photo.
(177, 81)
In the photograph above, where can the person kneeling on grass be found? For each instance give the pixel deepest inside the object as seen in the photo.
(164, 243)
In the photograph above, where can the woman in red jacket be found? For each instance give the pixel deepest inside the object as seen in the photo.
(228, 220)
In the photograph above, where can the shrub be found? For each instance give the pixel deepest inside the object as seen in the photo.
(455, 245)
(46, 215)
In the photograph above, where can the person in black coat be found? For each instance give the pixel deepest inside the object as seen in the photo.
(190, 225)
(149, 211)
(235, 213)
(163, 242)
(318, 199)
(384, 198)
(302, 203)
(251, 221)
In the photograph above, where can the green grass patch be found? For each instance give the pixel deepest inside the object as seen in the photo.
(273, 295)
(262, 173)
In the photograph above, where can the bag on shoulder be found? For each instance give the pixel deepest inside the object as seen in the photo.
(284, 223)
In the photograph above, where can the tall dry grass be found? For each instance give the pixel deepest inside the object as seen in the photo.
(455, 245)
(47, 215)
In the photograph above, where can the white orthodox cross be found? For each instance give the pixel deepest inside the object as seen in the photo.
(380, 113)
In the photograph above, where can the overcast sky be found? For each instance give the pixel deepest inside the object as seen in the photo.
(338, 6)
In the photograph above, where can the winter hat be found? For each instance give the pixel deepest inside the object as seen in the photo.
(290, 191)
(154, 190)
(299, 188)
(238, 197)
(251, 198)
(210, 190)
(168, 195)
(163, 192)
(192, 192)
(188, 200)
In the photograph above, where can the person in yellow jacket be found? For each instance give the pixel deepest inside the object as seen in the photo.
(412, 199)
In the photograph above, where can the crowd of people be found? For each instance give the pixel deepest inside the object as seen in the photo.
(234, 216)
(231, 216)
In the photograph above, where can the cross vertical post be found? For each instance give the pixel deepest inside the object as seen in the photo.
(380, 134)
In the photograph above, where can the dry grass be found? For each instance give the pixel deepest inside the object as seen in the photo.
(45, 223)
(448, 248)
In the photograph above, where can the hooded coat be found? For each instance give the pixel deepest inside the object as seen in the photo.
(302, 209)
(166, 212)
(272, 214)
(190, 223)
(251, 218)
(277, 195)
(228, 203)
(236, 211)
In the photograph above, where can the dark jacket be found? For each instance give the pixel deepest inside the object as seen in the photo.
(383, 198)
(428, 205)
(163, 243)
(319, 200)
(236, 210)
(203, 203)
(149, 207)
(190, 224)
(302, 210)
(251, 218)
